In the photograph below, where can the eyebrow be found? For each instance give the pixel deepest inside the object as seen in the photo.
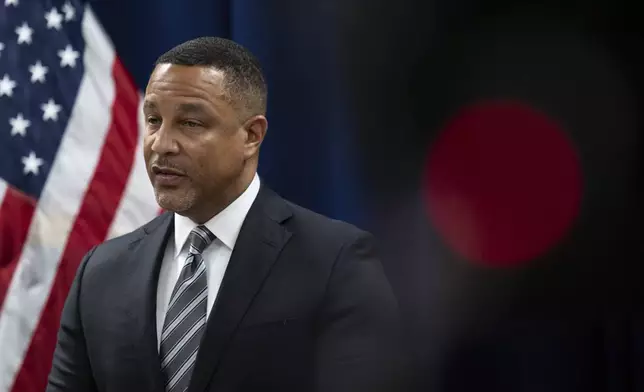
(149, 105)
(188, 107)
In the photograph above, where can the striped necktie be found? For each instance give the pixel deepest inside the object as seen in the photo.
(185, 320)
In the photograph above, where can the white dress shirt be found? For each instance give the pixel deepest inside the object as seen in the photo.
(225, 226)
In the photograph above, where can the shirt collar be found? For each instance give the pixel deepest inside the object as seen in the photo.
(225, 225)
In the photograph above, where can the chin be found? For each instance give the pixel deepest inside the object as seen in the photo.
(173, 202)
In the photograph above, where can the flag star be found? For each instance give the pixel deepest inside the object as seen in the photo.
(38, 72)
(1, 48)
(69, 11)
(6, 86)
(32, 163)
(54, 19)
(19, 125)
(68, 57)
(50, 110)
(10, 2)
(24, 33)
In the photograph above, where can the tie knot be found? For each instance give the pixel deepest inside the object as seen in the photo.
(200, 237)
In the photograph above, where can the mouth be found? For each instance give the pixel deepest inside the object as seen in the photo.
(166, 176)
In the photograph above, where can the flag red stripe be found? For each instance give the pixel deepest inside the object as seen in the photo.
(16, 212)
(90, 227)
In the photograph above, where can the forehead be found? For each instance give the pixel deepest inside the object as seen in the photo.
(173, 83)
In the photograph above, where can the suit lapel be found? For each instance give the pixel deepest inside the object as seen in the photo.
(140, 297)
(260, 241)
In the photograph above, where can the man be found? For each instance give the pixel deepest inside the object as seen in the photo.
(233, 288)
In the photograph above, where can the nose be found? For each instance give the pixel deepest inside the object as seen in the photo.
(164, 142)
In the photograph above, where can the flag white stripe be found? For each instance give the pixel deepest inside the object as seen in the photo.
(3, 189)
(59, 205)
(138, 204)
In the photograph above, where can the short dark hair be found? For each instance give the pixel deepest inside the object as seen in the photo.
(245, 83)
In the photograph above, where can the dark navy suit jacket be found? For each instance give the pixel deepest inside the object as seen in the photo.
(304, 306)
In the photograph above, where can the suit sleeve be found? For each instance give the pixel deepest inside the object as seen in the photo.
(71, 370)
(359, 344)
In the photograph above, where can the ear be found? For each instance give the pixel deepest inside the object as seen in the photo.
(255, 127)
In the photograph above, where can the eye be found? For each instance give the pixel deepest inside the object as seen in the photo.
(151, 120)
(190, 124)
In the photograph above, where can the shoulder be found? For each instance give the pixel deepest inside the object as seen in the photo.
(116, 246)
(304, 223)
(301, 221)
(318, 224)
(320, 236)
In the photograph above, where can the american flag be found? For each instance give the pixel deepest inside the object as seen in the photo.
(71, 169)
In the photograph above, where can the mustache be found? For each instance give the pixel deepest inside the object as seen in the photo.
(165, 163)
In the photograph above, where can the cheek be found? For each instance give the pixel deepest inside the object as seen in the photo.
(147, 146)
(222, 160)
(216, 158)
(206, 163)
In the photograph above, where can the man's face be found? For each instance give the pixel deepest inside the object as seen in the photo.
(194, 146)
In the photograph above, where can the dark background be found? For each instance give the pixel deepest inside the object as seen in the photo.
(361, 93)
